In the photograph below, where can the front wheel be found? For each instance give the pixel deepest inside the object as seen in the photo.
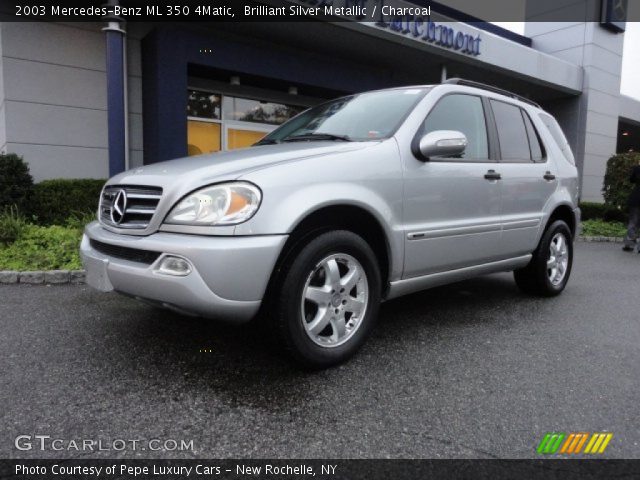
(548, 272)
(328, 299)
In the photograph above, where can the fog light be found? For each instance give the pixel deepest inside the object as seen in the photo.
(176, 266)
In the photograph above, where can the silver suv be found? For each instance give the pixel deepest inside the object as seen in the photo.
(353, 202)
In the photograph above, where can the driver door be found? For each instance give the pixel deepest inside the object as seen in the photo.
(452, 206)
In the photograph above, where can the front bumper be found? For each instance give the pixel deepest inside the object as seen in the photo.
(228, 278)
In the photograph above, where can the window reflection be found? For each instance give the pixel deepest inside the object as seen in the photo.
(246, 110)
(203, 104)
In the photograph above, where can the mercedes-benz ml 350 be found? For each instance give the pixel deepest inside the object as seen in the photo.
(352, 202)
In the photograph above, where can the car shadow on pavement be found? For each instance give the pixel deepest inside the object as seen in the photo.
(247, 368)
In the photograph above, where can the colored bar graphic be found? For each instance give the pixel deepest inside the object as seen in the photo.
(550, 443)
(605, 443)
(581, 443)
(573, 442)
(543, 443)
(569, 443)
(598, 443)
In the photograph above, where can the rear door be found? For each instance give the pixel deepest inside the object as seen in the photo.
(528, 177)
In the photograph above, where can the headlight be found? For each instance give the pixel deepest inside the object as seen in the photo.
(223, 204)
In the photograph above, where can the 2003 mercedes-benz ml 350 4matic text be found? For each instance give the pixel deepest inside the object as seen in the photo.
(352, 202)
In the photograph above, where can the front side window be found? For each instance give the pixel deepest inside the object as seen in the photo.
(367, 116)
(465, 114)
(512, 132)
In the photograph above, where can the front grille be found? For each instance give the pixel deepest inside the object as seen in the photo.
(125, 253)
(129, 206)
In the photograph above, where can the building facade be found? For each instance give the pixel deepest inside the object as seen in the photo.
(196, 88)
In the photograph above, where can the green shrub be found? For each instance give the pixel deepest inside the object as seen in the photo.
(12, 224)
(79, 221)
(617, 187)
(600, 228)
(602, 211)
(16, 182)
(43, 248)
(616, 215)
(592, 210)
(54, 201)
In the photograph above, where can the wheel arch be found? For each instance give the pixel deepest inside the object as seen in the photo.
(565, 213)
(341, 216)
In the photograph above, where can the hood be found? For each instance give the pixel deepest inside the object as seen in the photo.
(181, 176)
(210, 168)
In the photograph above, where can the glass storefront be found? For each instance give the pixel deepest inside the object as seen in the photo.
(218, 122)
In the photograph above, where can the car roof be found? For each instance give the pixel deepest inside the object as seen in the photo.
(474, 87)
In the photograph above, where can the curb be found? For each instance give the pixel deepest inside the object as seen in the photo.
(39, 277)
(582, 238)
(77, 277)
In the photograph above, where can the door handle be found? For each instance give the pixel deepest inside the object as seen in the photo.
(492, 175)
(548, 176)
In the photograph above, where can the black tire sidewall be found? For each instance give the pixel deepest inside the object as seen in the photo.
(292, 330)
(542, 256)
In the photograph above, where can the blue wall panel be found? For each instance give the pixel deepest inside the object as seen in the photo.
(115, 101)
(167, 52)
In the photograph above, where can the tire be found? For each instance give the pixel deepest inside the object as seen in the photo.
(541, 277)
(320, 320)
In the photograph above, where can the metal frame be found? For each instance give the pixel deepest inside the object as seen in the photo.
(490, 88)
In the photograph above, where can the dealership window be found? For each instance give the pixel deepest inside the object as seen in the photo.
(218, 122)
(247, 110)
(204, 104)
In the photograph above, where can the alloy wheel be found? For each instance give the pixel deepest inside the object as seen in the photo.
(558, 261)
(334, 300)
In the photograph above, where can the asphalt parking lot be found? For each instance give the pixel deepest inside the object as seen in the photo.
(473, 370)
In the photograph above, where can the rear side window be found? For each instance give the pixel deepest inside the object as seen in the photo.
(465, 114)
(512, 132)
(558, 136)
(537, 151)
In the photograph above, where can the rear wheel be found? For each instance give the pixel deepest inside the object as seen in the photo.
(548, 272)
(328, 299)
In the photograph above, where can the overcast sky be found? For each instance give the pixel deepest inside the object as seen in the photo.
(630, 58)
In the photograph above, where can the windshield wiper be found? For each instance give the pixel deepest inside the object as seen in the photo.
(317, 136)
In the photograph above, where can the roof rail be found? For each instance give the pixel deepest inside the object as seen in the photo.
(490, 88)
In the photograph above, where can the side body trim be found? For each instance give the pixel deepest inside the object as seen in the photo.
(455, 231)
(411, 285)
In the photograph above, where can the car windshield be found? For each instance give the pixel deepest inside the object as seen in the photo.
(366, 116)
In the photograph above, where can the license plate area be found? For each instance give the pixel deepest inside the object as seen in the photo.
(97, 276)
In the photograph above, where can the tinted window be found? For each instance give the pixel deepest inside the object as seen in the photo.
(465, 114)
(558, 136)
(534, 141)
(512, 133)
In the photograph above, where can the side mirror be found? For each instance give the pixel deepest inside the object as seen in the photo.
(442, 143)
